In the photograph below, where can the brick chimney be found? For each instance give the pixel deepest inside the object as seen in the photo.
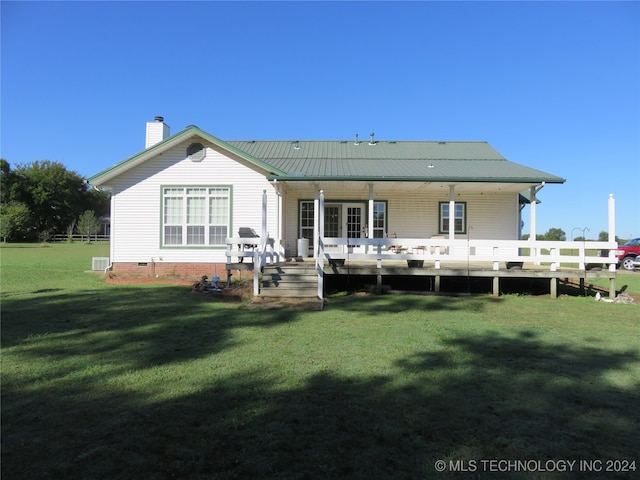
(157, 131)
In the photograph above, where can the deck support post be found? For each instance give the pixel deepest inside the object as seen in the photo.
(496, 286)
(436, 283)
(553, 287)
(379, 283)
(612, 288)
(582, 291)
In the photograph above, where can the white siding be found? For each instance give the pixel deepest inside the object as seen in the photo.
(137, 209)
(416, 215)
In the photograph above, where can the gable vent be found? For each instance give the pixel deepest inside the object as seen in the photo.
(196, 152)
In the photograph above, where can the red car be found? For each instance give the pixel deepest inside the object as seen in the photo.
(627, 253)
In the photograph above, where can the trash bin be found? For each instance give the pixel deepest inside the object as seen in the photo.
(303, 247)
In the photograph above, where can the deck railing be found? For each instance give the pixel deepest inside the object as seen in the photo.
(555, 254)
(442, 252)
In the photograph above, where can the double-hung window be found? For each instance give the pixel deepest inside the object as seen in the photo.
(379, 219)
(459, 217)
(195, 215)
(306, 220)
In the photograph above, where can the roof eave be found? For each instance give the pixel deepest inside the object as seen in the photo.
(102, 178)
(338, 178)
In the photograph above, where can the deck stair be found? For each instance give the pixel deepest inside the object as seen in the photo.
(289, 279)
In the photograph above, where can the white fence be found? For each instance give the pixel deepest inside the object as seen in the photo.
(79, 238)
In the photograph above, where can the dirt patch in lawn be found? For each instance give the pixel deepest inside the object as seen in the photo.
(112, 278)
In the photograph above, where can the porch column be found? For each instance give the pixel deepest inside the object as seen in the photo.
(316, 220)
(533, 191)
(320, 245)
(532, 213)
(278, 239)
(370, 226)
(452, 214)
(259, 255)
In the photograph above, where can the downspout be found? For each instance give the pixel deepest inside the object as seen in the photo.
(111, 226)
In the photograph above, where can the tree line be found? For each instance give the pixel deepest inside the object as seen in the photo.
(41, 199)
(559, 235)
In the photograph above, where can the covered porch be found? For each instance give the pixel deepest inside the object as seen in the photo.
(440, 257)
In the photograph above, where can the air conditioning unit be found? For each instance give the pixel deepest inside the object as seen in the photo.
(99, 263)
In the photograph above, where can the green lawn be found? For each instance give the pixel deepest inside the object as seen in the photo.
(152, 381)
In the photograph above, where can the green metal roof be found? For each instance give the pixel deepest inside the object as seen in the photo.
(346, 160)
(391, 160)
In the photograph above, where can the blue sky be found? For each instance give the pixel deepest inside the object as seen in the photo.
(554, 86)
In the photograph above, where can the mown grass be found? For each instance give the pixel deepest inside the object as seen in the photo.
(152, 381)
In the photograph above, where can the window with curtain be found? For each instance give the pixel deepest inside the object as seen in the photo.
(196, 215)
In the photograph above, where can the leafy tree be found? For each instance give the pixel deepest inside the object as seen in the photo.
(14, 217)
(603, 236)
(88, 224)
(55, 196)
(8, 182)
(556, 234)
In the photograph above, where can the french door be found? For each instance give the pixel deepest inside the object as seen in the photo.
(345, 220)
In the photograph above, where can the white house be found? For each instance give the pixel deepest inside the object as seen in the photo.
(175, 203)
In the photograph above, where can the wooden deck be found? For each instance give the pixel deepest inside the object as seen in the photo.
(470, 270)
(425, 278)
(440, 261)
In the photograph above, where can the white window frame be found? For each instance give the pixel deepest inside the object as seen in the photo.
(192, 217)
(306, 218)
(380, 219)
(460, 218)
